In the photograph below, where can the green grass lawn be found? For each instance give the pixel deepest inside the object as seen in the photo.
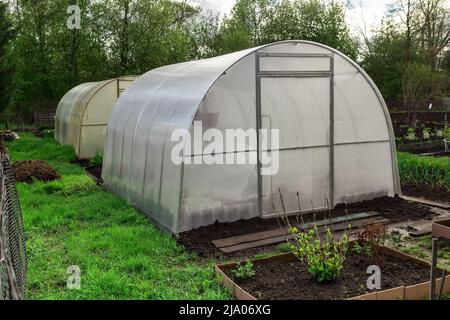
(120, 253)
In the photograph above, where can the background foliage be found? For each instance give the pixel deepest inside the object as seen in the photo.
(41, 59)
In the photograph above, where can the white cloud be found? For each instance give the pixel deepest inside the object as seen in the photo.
(221, 6)
(366, 14)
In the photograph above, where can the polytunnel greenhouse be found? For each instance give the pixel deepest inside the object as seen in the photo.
(336, 141)
(83, 114)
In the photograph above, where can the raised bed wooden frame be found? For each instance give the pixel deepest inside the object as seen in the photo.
(415, 292)
(441, 229)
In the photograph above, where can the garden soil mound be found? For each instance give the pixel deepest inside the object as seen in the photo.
(28, 171)
(8, 135)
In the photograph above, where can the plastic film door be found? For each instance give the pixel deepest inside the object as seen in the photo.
(297, 104)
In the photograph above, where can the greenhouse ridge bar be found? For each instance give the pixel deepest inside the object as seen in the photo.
(336, 136)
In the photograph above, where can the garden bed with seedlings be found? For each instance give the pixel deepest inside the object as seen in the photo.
(425, 177)
(200, 240)
(327, 267)
(423, 138)
(284, 277)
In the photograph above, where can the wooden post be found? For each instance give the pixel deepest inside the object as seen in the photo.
(435, 245)
(444, 275)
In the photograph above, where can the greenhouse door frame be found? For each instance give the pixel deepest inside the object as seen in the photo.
(296, 74)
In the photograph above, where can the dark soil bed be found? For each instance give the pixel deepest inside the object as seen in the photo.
(29, 171)
(199, 240)
(438, 194)
(96, 173)
(431, 148)
(82, 163)
(290, 280)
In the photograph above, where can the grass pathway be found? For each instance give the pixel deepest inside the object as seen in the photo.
(120, 253)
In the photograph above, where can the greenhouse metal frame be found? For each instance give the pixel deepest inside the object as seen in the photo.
(337, 140)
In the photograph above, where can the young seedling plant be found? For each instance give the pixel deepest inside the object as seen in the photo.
(325, 257)
(97, 161)
(244, 271)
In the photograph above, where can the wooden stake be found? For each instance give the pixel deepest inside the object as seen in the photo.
(435, 245)
(444, 275)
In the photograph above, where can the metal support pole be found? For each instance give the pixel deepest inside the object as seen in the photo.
(258, 128)
(435, 245)
(332, 134)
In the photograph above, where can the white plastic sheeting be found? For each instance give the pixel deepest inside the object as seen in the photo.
(83, 114)
(336, 137)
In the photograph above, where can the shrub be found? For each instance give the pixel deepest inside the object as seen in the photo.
(371, 240)
(244, 272)
(426, 134)
(411, 135)
(97, 161)
(446, 133)
(325, 258)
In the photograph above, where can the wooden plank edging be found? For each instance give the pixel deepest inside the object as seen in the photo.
(426, 202)
(441, 229)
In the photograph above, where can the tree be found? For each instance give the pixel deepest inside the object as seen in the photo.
(251, 17)
(408, 13)
(117, 37)
(415, 88)
(142, 35)
(435, 30)
(6, 34)
(204, 31)
(258, 22)
(407, 53)
(385, 60)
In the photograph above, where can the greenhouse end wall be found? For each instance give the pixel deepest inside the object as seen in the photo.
(336, 137)
(83, 113)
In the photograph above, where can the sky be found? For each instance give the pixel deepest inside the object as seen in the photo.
(361, 13)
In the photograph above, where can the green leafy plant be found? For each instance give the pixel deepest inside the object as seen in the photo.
(426, 134)
(244, 272)
(361, 249)
(357, 248)
(97, 161)
(411, 135)
(446, 133)
(324, 258)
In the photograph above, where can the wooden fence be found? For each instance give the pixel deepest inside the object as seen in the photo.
(45, 118)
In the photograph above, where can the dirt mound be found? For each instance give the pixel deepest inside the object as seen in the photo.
(28, 171)
(8, 135)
